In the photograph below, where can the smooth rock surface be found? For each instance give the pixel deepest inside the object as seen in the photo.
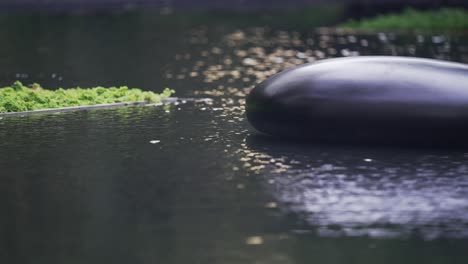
(365, 99)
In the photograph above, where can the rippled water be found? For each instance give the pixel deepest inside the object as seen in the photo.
(193, 182)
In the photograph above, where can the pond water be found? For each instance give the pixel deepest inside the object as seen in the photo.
(193, 182)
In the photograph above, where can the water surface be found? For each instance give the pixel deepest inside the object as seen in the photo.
(193, 182)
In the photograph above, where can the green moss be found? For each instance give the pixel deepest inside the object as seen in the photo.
(451, 19)
(18, 98)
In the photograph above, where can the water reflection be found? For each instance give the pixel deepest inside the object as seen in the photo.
(375, 192)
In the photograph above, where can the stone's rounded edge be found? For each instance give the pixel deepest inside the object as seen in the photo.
(276, 114)
(260, 106)
(252, 104)
(267, 115)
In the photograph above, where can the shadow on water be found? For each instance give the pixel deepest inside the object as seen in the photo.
(448, 145)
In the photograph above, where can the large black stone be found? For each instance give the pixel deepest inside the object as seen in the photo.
(365, 99)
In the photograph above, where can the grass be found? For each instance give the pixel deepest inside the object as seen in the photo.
(18, 98)
(444, 19)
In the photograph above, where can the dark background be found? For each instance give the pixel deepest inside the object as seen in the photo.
(244, 5)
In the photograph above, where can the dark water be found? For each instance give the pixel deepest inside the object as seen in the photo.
(194, 183)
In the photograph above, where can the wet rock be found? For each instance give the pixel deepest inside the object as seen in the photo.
(365, 99)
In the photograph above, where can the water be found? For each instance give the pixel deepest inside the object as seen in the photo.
(194, 183)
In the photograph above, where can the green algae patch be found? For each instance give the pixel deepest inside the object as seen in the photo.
(20, 98)
(444, 19)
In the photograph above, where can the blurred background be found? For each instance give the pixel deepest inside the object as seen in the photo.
(193, 182)
(73, 5)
